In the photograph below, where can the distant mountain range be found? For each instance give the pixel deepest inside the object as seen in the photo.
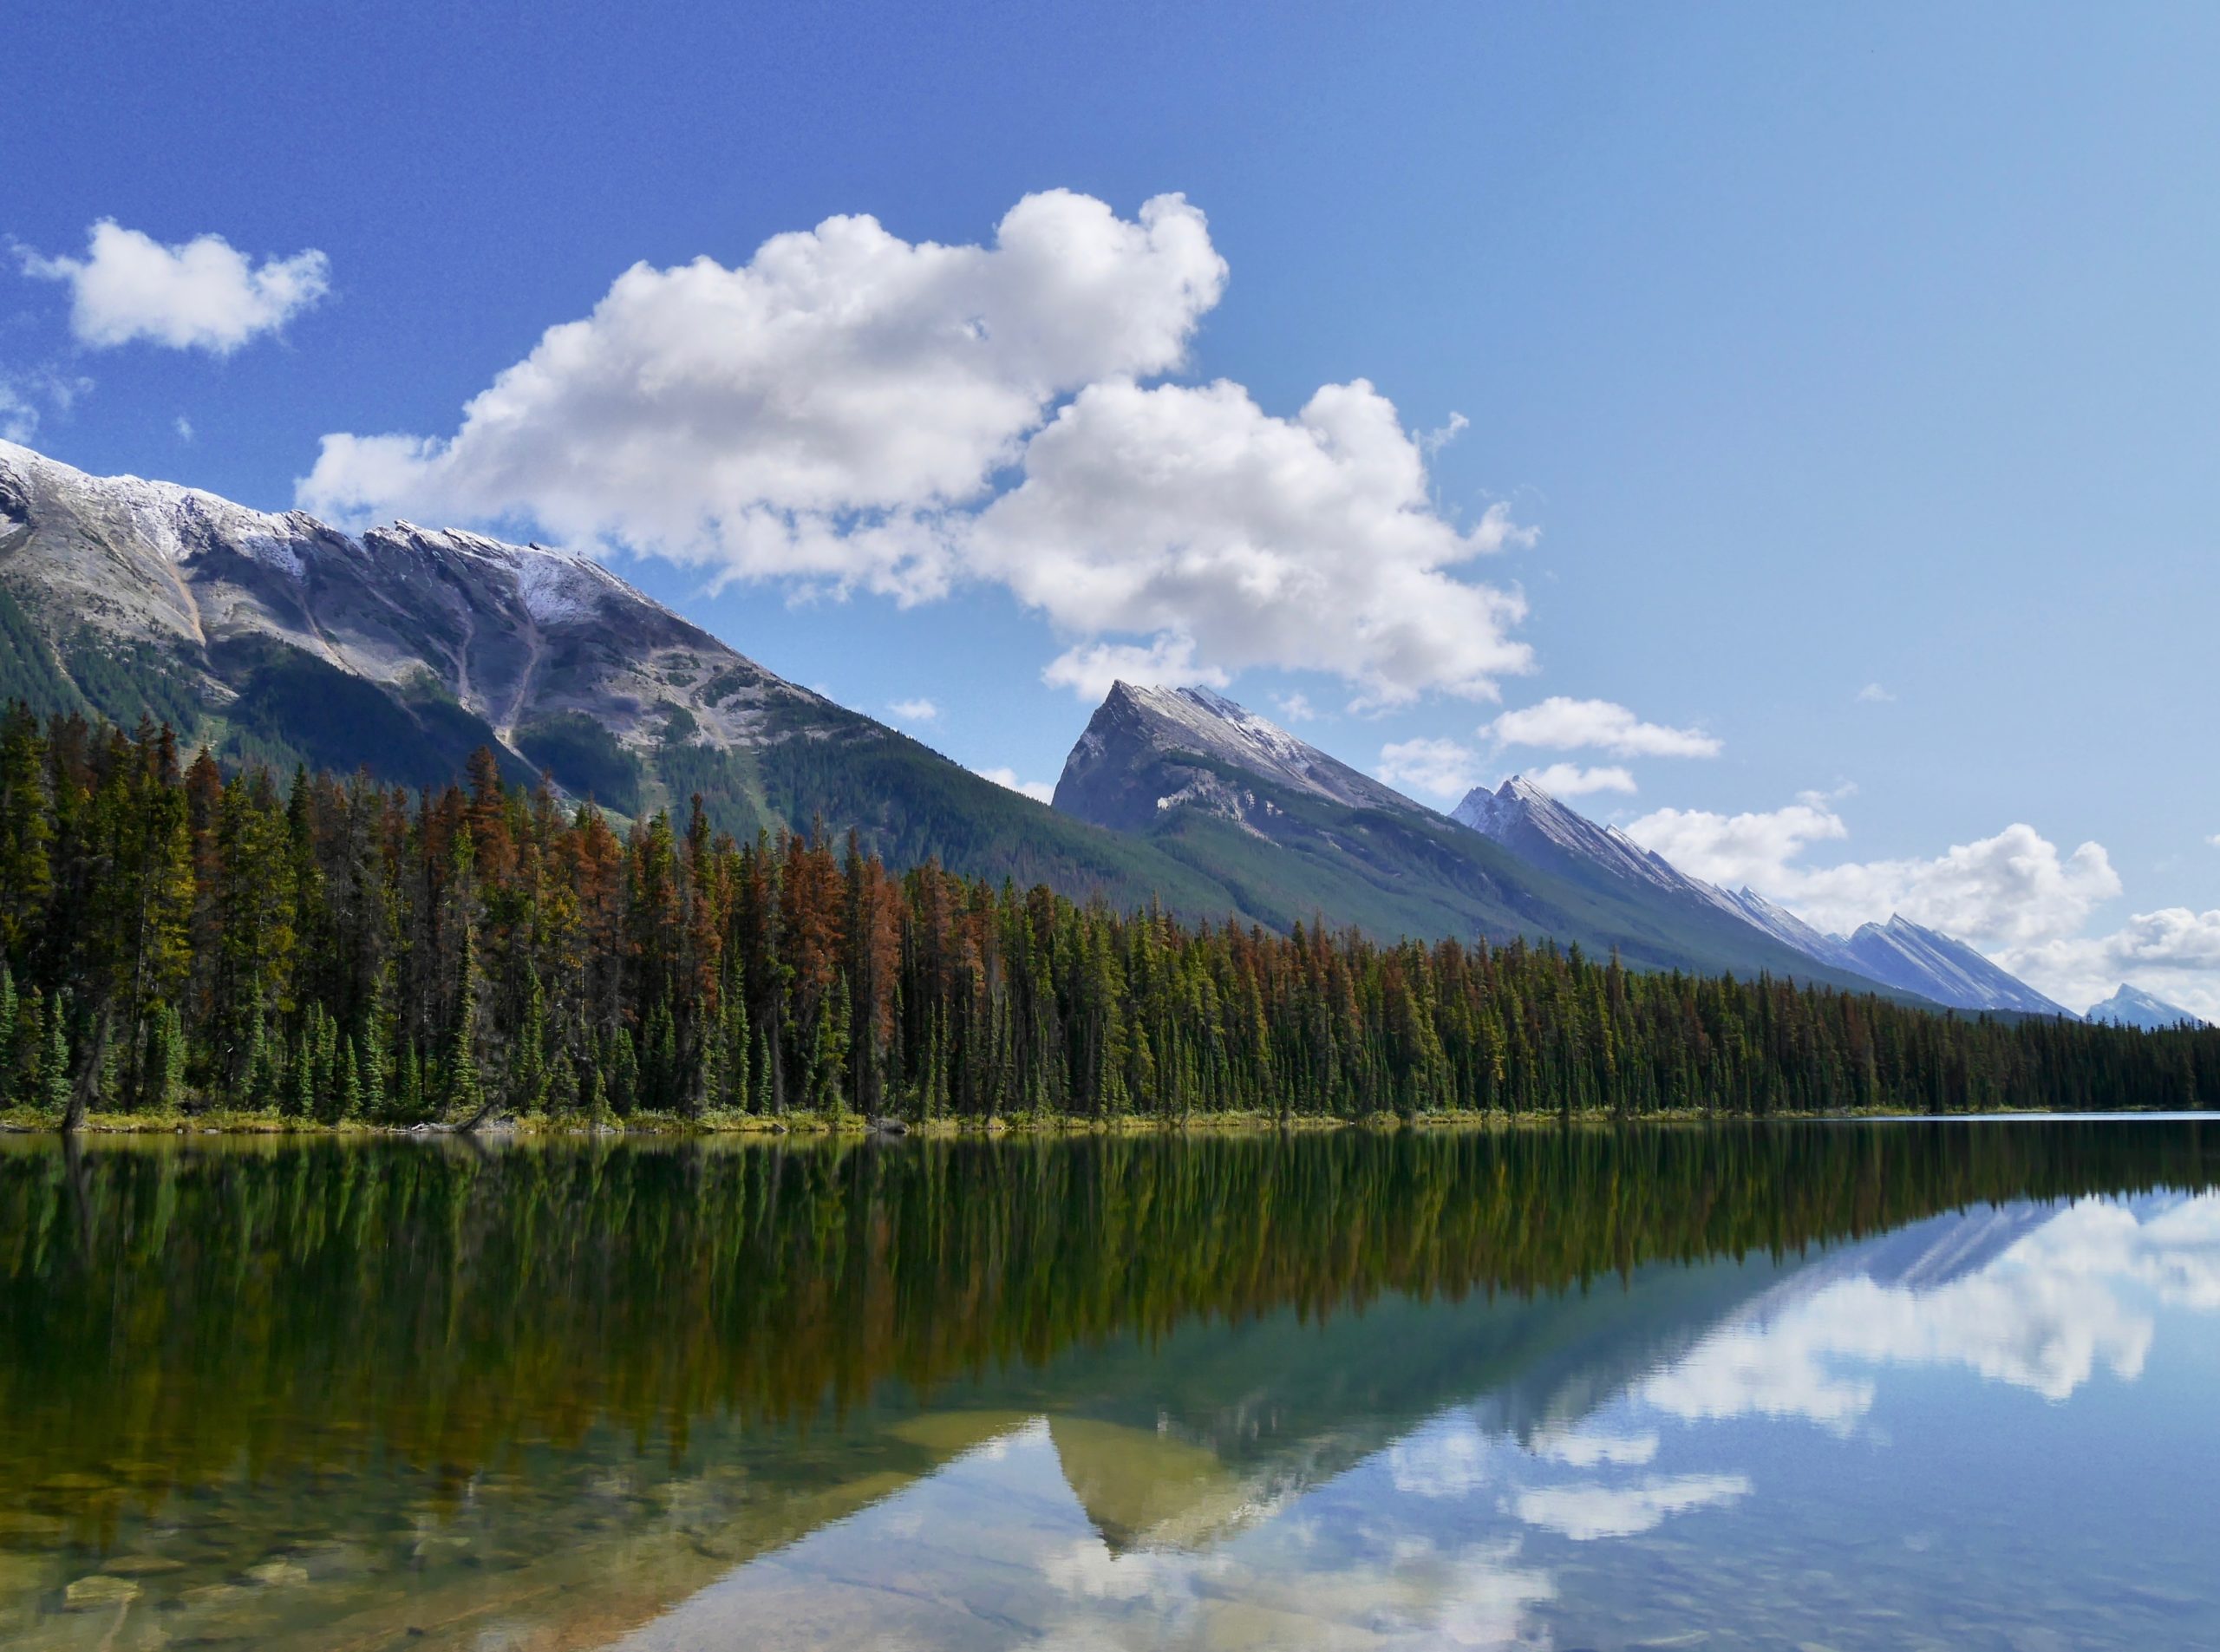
(278, 638)
(2132, 1007)
(1900, 954)
(1295, 833)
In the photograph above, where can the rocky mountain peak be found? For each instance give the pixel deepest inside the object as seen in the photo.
(1148, 749)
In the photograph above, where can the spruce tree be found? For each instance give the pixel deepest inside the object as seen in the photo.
(54, 1064)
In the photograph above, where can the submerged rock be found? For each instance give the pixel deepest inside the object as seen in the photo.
(99, 1590)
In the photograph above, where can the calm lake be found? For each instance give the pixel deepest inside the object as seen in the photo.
(1950, 1384)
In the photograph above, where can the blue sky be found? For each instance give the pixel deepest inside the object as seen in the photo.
(1842, 382)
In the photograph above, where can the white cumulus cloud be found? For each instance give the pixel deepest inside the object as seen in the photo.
(2014, 890)
(848, 410)
(2173, 953)
(918, 711)
(1039, 791)
(813, 412)
(1168, 661)
(202, 294)
(2016, 896)
(1560, 723)
(1188, 515)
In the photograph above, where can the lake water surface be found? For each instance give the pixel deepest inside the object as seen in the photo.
(1843, 1386)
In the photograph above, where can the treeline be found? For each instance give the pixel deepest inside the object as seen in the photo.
(175, 939)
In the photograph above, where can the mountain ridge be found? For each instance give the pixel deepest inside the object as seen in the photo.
(1900, 955)
(2132, 1007)
(1216, 786)
(275, 637)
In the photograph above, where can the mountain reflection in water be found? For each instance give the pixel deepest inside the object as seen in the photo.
(1850, 1385)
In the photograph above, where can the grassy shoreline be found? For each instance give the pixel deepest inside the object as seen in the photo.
(816, 1126)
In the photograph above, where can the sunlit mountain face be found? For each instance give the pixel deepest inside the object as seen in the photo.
(1849, 1386)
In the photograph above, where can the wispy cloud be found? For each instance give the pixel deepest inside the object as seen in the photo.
(1570, 779)
(1560, 723)
(919, 710)
(1439, 768)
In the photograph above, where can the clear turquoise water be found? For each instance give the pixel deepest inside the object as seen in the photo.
(1846, 1386)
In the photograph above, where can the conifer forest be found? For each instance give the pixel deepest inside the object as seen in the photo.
(176, 939)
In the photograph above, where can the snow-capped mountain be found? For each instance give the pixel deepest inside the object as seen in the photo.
(1784, 925)
(1544, 833)
(1226, 791)
(1534, 826)
(2132, 1007)
(277, 638)
(1903, 954)
(401, 649)
(1198, 724)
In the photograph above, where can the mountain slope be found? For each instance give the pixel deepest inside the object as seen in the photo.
(1903, 954)
(2132, 1007)
(1785, 926)
(1294, 831)
(1542, 832)
(276, 637)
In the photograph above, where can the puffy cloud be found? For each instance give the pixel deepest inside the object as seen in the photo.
(814, 412)
(1587, 1513)
(1088, 671)
(202, 294)
(2173, 953)
(1297, 707)
(1570, 779)
(918, 711)
(1874, 694)
(1039, 791)
(1733, 850)
(1438, 767)
(2008, 891)
(2016, 896)
(1561, 723)
(1188, 515)
(850, 410)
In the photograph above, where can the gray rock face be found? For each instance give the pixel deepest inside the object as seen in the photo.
(1534, 826)
(248, 619)
(1903, 954)
(1149, 751)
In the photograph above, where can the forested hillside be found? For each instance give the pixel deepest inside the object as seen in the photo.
(177, 939)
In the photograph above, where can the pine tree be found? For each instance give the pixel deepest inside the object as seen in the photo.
(54, 1064)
